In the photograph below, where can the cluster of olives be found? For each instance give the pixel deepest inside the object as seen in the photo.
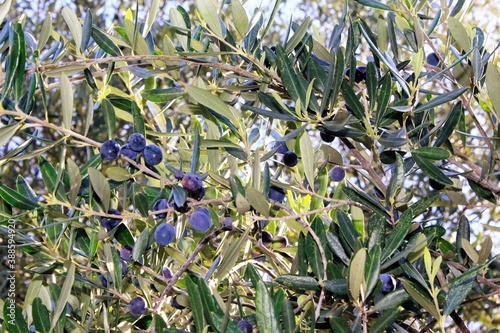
(200, 219)
(289, 158)
(136, 144)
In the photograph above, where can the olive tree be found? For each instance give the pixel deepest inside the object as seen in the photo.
(209, 172)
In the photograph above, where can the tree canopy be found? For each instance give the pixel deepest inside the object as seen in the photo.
(208, 167)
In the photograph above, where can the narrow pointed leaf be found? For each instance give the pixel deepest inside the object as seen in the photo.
(267, 321)
(105, 43)
(74, 25)
(385, 319)
(364, 199)
(298, 282)
(352, 101)
(374, 4)
(431, 170)
(196, 304)
(460, 288)
(391, 300)
(15, 199)
(24, 189)
(139, 125)
(441, 99)
(101, 187)
(432, 153)
(482, 192)
(307, 154)
(336, 247)
(108, 112)
(314, 256)
(396, 183)
(347, 230)
(87, 30)
(51, 179)
(159, 95)
(339, 325)
(421, 298)
(376, 229)
(423, 204)
(452, 119)
(64, 296)
(209, 13)
(372, 269)
(41, 316)
(397, 235)
(288, 317)
(357, 284)
(14, 323)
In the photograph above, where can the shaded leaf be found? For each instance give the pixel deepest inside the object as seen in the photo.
(75, 179)
(383, 99)
(482, 192)
(87, 30)
(347, 230)
(372, 269)
(338, 286)
(391, 300)
(140, 245)
(139, 126)
(296, 85)
(421, 298)
(385, 319)
(313, 252)
(339, 325)
(288, 317)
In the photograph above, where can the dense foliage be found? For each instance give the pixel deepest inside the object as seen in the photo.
(198, 170)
